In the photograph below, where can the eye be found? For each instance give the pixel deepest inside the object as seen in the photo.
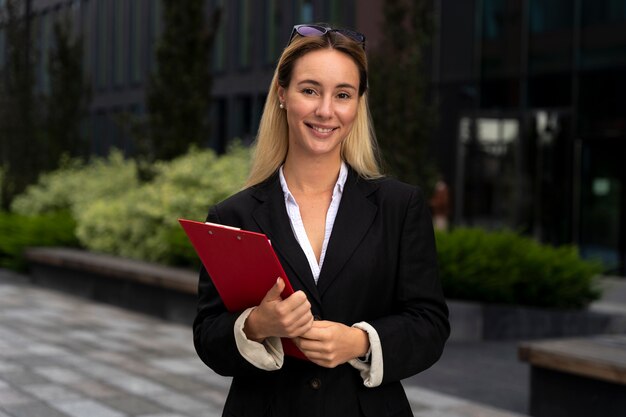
(308, 91)
(344, 96)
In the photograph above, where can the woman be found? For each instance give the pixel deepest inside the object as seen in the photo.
(358, 249)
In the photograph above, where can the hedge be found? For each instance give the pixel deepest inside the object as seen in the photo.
(504, 267)
(116, 213)
(17, 232)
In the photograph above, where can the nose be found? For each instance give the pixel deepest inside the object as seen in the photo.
(325, 107)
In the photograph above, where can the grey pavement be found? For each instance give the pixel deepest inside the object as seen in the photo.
(487, 372)
(66, 356)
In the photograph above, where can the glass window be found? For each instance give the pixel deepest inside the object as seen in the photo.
(602, 203)
(218, 125)
(491, 191)
(336, 12)
(102, 45)
(86, 127)
(136, 110)
(2, 48)
(243, 119)
(551, 160)
(501, 38)
(119, 48)
(243, 38)
(135, 41)
(493, 18)
(550, 90)
(118, 137)
(304, 11)
(272, 31)
(156, 16)
(99, 133)
(47, 36)
(258, 111)
(500, 93)
(39, 64)
(550, 35)
(86, 31)
(75, 13)
(602, 103)
(597, 12)
(219, 43)
(603, 34)
(553, 15)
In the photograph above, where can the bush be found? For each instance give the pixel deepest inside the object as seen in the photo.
(503, 267)
(143, 222)
(115, 213)
(19, 232)
(77, 184)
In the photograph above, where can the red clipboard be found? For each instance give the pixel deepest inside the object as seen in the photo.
(242, 265)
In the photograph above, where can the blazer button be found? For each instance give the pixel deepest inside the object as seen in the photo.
(315, 383)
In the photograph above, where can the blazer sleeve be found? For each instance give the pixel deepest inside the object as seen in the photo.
(413, 337)
(213, 328)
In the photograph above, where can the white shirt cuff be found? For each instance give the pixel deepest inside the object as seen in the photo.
(268, 355)
(372, 373)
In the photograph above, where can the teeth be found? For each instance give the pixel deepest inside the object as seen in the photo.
(321, 130)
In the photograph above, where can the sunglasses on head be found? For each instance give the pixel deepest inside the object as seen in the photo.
(319, 30)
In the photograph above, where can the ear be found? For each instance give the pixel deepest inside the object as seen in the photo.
(281, 94)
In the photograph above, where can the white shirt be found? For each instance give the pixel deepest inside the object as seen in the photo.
(269, 355)
(297, 225)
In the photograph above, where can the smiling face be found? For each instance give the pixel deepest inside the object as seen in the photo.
(321, 102)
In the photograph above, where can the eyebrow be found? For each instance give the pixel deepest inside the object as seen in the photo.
(318, 84)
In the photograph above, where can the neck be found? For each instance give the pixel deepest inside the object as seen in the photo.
(312, 176)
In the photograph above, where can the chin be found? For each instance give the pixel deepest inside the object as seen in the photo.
(324, 150)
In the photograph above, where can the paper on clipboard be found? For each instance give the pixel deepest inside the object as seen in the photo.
(242, 265)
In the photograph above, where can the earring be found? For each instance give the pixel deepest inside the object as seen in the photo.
(281, 105)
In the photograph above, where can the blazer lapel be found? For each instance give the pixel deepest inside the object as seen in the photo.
(354, 218)
(272, 218)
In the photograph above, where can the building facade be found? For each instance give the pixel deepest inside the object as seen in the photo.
(119, 38)
(531, 97)
(532, 129)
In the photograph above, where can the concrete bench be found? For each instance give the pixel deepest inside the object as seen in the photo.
(577, 377)
(166, 292)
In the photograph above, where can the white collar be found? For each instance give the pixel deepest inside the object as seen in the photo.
(339, 185)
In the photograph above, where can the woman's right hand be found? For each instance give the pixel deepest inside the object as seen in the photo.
(274, 316)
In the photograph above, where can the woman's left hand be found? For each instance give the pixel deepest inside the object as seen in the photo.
(330, 344)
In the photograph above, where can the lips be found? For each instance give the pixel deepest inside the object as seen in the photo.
(321, 129)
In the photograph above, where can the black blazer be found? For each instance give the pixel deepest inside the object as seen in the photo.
(380, 267)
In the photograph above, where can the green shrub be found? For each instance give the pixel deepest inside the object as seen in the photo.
(503, 267)
(115, 213)
(143, 222)
(18, 232)
(77, 184)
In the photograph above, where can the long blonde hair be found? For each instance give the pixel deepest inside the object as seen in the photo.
(359, 149)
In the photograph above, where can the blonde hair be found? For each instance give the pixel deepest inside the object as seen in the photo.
(359, 149)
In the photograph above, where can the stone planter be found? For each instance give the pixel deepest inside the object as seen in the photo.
(472, 322)
(170, 293)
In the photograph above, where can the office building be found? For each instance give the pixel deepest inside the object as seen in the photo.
(531, 97)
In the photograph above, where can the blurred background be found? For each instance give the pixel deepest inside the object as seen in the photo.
(518, 106)
(117, 117)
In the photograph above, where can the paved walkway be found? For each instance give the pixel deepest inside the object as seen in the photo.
(65, 356)
(487, 372)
